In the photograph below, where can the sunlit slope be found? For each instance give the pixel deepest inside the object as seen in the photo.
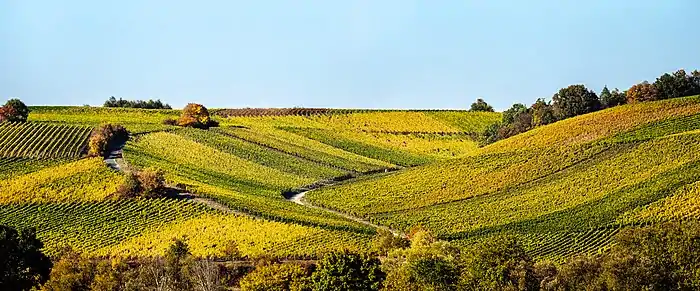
(404, 138)
(574, 178)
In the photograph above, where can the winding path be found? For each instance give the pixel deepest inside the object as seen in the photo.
(299, 199)
(115, 161)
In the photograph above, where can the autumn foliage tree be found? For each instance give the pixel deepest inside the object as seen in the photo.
(104, 137)
(642, 92)
(195, 115)
(14, 110)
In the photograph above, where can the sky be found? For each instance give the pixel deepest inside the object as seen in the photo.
(337, 54)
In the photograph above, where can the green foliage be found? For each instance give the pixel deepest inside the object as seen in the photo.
(22, 263)
(426, 265)
(500, 263)
(481, 105)
(678, 84)
(277, 277)
(348, 271)
(385, 241)
(574, 100)
(542, 113)
(150, 104)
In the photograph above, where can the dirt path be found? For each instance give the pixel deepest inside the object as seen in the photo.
(299, 199)
(115, 161)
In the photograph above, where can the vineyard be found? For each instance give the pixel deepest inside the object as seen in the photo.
(563, 189)
(42, 140)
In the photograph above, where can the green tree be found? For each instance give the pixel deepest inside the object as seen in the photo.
(498, 263)
(678, 84)
(427, 265)
(348, 271)
(574, 100)
(512, 112)
(22, 264)
(542, 113)
(481, 105)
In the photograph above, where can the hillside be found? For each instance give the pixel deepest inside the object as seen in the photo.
(237, 172)
(564, 188)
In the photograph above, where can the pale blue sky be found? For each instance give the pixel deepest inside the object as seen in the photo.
(327, 53)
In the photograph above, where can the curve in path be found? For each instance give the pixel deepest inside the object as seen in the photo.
(298, 198)
(115, 161)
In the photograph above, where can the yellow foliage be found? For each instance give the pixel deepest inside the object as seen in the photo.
(83, 180)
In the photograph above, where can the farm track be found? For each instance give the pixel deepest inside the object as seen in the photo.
(115, 161)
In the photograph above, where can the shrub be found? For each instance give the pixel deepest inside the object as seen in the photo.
(427, 265)
(280, 277)
(14, 110)
(385, 241)
(499, 263)
(348, 271)
(147, 183)
(170, 121)
(197, 116)
(104, 137)
(22, 264)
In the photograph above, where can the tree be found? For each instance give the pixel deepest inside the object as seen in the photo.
(277, 277)
(641, 92)
(481, 105)
(385, 241)
(542, 113)
(510, 114)
(195, 115)
(573, 101)
(14, 111)
(23, 265)
(679, 84)
(427, 265)
(104, 137)
(348, 271)
(499, 263)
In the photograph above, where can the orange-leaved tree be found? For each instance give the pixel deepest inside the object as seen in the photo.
(195, 115)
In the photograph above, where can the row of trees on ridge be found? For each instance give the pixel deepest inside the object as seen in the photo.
(576, 100)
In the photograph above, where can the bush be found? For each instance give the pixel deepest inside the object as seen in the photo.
(197, 116)
(14, 111)
(427, 265)
(499, 263)
(348, 271)
(22, 264)
(280, 277)
(104, 137)
(147, 183)
(385, 241)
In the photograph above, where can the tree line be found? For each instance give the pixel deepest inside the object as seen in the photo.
(659, 257)
(576, 100)
(144, 104)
